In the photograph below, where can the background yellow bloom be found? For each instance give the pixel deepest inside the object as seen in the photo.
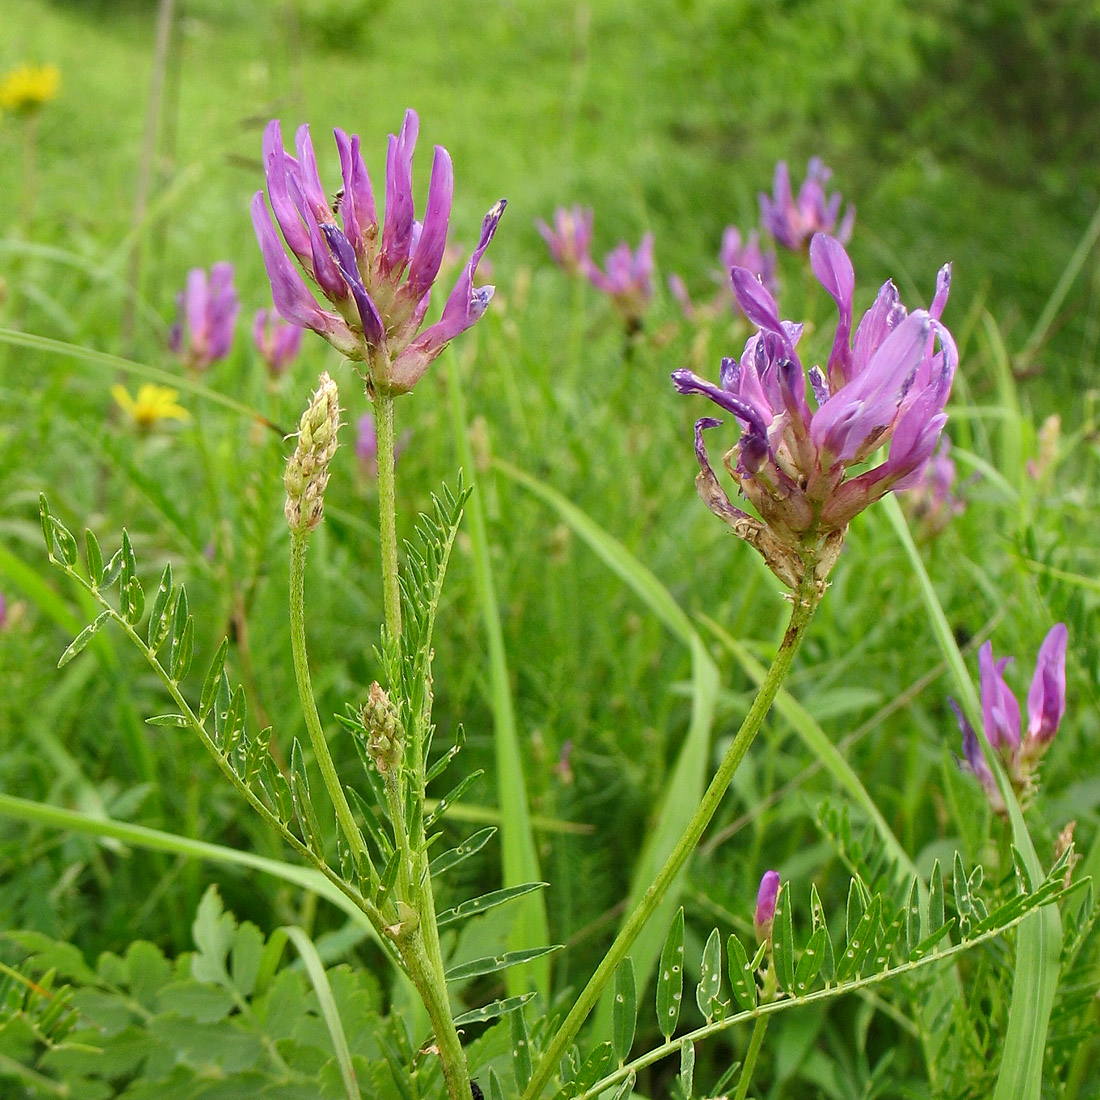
(153, 403)
(28, 87)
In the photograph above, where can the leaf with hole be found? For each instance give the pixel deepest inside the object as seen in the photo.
(83, 638)
(670, 977)
(710, 976)
(490, 964)
(624, 1013)
(741, 975)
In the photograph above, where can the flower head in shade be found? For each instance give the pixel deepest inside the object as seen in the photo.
(1020, 748)
(208, 308)
(627, 280)
(794, 222)
(278, 341)
(376, 276)
(152, 405)
(802, 433)
(570, 239)
(766, 898)
(933, 501)
(25, 89)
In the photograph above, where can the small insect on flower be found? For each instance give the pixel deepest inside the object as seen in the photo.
(153, 404)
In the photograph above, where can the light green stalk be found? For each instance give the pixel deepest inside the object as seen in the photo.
(805, 599)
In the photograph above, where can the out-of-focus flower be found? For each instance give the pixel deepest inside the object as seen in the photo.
(766, 897)
(366, 444)
(933, 501)
(628, 279)
(208, 309)
(378, 278)
(564, 767)
(888, 386)
(3, 611)
(277, 340)
(793, 223)
(748, 254)
(1049, 435)
(570, 239)
(153, 404)
(27, 88)
(1019, 748)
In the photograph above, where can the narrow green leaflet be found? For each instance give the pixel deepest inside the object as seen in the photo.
(484, 903)
(83, 638)
(809, 965)
(710, 976)
(496, 1008)
(817, 912)
(783, 939)
(303, 806)
(741, 975)
(861, 942)
(687, 1069)
(213, 679)
(912, 919)
(521, 1048)
(490, 964)
(625, 1010)
(94, 557)
(626, 1088)
(935, 900)
(670, 977)
(158, 614)
(454, 856)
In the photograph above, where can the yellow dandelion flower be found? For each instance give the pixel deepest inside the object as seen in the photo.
(153, 403)
(25, 89)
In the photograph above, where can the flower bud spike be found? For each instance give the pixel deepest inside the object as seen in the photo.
(307, 468)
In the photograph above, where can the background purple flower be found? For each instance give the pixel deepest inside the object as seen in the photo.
(570, 238)
(794, 222)
(208, 308)
(628, 279)
(277, 340)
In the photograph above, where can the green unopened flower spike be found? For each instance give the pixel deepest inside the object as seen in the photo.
(307, 468)
(384, 731)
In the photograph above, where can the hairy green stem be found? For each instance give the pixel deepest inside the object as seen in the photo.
(755, 1043)
(805, 599)
(344, 816)
(387, 511)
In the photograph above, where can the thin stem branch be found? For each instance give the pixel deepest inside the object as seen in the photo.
(806, 599)
(344, 816)
(387, 511)
(755, 1043)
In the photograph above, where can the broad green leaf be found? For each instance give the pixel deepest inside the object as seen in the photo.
(670, 977)
(490, 964)
(83, 638)
(484, 903)
(741, 975)
(710, 975)
(625, 1015)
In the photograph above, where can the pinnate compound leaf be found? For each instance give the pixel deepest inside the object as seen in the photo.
(741, 975)
(624, 1014)
(670, 977)
(83, 638)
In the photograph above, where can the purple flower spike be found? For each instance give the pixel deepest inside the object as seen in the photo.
(277, 340)
(570, 239)
(766, 898)
(1046, 701)
(1020, 751)
(378, 279)
(208, 309)
(792, 223)
(749, 255)
(628, 279)
(888, 387)
(973, 760)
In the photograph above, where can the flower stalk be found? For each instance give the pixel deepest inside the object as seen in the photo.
(805, 600)
(387, 510)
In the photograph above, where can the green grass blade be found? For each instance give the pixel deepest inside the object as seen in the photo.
(688, 779)
(519, 855)
(1039, 940)
(327, 1004)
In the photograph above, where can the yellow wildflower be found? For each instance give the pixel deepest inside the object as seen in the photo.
(25, 89)
(153, 403)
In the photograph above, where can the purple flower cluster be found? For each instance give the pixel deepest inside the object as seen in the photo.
(627, 279)
(277, 340)
(735, 252)
(1020, 749)
(933, 501)
(793, 223)
(570, 239)
(377, 277)
(886, 386)
(208, 308)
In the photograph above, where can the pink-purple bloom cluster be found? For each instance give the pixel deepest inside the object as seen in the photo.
(1019, 748)
(627, 279)
(208, 308)
(376, 277)
(933, 501)
(887, 385)
(570, 239)
(734, 252)
(793, 222)
(277, 340)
